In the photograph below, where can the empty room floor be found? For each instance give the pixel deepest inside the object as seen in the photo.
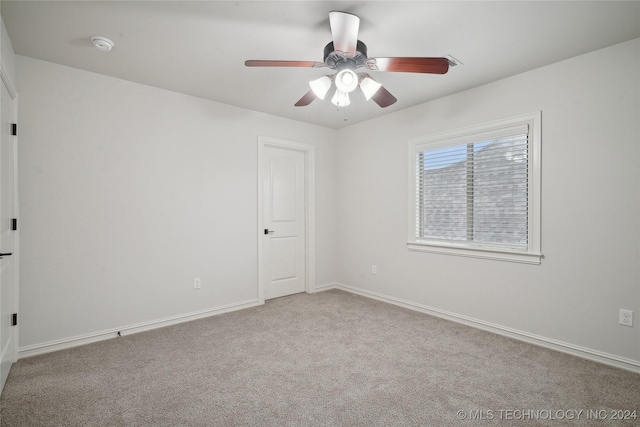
(326, 359)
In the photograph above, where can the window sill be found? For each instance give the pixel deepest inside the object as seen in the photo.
(476, 252)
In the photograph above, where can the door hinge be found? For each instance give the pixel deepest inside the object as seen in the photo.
(14, 224)
(14, 319)
(14, 129)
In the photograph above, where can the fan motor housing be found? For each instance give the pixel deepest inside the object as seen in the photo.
(334, 60)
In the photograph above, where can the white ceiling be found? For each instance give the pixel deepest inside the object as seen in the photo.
(199, 48)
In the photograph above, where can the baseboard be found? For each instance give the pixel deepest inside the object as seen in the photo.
(585, 353)
(48, 347)
(326, 287)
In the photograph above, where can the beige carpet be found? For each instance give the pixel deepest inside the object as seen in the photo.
(325, 359)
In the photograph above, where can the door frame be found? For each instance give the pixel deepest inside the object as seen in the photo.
(309, 209)
(6, 80)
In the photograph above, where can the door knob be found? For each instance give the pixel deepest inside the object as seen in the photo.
(267, 231)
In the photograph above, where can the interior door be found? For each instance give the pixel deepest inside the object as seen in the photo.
(283, 210)
(7, 292)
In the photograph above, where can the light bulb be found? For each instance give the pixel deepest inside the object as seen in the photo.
(340, 98)
(320, 86)
(346, 80)
(369, 87)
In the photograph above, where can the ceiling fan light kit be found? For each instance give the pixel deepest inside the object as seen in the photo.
(346, 80)
(369, 87)
(340, 99)
(320, 86)
(346, 54)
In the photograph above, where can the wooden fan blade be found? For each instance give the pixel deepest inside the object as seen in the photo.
(272, 63)
(344, 29)
(383, 97)
(306, 99)
(409, 65)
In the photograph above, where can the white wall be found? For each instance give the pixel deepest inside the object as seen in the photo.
(128, 192)
(590, 207)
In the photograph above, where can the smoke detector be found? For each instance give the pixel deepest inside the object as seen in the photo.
(102, 43)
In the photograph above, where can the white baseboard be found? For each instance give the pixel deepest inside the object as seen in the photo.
(585, 353)
(326, 287)
(36, 349)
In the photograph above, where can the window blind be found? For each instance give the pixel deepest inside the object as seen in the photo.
(474, 188)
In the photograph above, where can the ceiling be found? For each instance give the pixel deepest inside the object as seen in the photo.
(199, 48)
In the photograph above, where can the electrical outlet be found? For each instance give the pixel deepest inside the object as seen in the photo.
(626, 317)
(374, 269)
(197, 283)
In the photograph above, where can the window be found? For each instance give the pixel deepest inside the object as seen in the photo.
(476, 191)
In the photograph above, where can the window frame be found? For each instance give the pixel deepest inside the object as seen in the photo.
(532, 253)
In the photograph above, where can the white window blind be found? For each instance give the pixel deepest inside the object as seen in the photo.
(474, 189)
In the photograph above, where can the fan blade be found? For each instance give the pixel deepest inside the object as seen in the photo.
(383, 97)
(271, 63)
(344, 29)
(306, 99)
(409, 65)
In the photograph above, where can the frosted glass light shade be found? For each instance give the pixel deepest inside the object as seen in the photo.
(340, 98)
(369, 87)
(320, 86)
(346, 80)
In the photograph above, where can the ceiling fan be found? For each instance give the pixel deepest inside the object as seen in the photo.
(346, 54)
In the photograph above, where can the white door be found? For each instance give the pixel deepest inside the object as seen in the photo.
(7, 302)
(283, 219)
